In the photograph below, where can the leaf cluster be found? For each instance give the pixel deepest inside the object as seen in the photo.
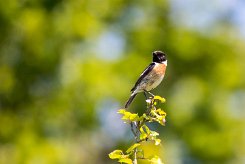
(141, 131)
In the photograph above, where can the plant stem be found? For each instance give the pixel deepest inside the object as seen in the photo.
(135, 128)
(132, 129)
(135, 156)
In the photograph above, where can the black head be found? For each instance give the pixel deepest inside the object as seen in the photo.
(159, 56)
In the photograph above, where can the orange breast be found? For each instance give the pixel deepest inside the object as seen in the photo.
(155, 77)
(160, 69)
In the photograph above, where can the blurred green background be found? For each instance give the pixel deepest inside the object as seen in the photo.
(67, 66)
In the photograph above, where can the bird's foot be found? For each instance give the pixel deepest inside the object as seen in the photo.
(152, 95)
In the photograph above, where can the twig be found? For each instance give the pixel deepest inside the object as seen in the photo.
(135, 156)
(132, 129)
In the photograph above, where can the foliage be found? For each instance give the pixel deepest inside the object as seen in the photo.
(66, 65)
(141, 131)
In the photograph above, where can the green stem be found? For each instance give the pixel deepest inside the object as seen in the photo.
(135, 128)
(135, 156)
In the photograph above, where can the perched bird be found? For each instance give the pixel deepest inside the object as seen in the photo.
(151, 77)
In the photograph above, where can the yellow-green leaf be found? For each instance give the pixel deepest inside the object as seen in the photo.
(121, 111)
(147, 130)
(131, 117)
(132, 147)
(141, 118)
(157, 141)
(143, 134)
(161, 99)
(126, 160)
(155, 160)
(116, 154)
(153, 133)
(144, 116)
(128, 116)
(134, 117)
(161, 112)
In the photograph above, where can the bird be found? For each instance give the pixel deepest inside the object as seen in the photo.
(151, 77)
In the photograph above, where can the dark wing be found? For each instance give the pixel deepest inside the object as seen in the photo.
(144, 73)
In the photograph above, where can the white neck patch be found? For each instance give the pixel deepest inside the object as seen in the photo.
(165, 62)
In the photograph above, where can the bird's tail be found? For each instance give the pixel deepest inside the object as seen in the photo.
(131, 98)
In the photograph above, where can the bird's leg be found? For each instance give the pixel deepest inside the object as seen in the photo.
(148, 93)
(145, 95)
(151, 94)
